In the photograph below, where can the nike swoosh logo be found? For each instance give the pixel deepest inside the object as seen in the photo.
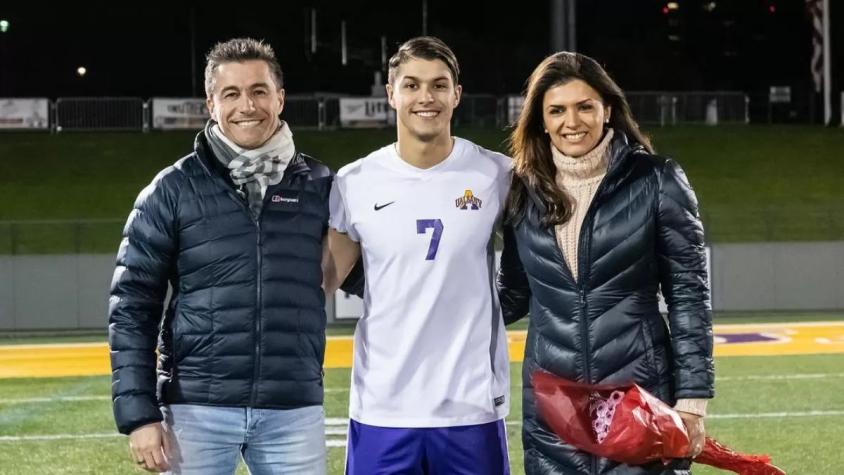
(377, 207)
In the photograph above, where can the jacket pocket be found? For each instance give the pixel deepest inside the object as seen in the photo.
(311, 347)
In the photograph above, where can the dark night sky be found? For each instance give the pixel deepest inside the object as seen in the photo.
(143, 49)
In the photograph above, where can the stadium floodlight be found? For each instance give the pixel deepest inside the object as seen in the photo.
(4, 26)
(81, 71)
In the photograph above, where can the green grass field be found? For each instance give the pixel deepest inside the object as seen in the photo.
(755, 183)
(763, 404)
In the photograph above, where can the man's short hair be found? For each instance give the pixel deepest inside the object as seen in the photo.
(423, 47)
(238, 50)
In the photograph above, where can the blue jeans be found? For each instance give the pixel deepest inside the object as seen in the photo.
(210, 440)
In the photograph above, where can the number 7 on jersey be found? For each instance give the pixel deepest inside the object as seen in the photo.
(422, 225)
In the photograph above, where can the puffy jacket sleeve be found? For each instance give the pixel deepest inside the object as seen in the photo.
(685, 285)
(512, 283)
(138, 289)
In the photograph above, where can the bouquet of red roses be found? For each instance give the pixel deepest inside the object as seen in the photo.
(627, 424)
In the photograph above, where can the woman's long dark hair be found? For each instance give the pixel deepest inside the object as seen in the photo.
(529, 145)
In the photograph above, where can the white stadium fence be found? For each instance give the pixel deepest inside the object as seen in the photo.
(329, 112)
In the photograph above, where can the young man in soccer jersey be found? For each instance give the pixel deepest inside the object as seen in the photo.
(430, 378)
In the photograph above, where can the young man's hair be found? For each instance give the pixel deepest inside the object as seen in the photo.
(423, 47)
(238, 50)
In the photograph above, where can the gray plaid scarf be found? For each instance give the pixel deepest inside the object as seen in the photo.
(252, 171)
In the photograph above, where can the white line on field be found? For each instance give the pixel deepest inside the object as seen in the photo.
(342, 422)
(750, 377)
(728, 326)
(343, 430)
(44, 346)
(32, 400)
(54, 399)
(777, 377)
(16, 438)
(762, 415)
(109, 435)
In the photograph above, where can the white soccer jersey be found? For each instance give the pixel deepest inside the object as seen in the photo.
(430, 349)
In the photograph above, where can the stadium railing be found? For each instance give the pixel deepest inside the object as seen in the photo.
(305, 112)
(478, 110)
(700, 107)
(100, 113)
(666, 108)
(323, 112)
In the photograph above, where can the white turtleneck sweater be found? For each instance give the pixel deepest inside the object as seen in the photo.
(580, 177)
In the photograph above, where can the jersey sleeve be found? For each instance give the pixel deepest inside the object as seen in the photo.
(505, 176)
(339, 218)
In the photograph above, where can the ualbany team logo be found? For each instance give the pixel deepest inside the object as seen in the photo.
(468, 201)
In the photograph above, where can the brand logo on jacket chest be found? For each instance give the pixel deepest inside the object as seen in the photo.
(279, 198)
(285, 201)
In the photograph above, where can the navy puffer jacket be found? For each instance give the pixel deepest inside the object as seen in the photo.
(642, 233)
(245, 325)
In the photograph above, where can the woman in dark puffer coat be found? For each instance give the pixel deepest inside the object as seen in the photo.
(597, 225)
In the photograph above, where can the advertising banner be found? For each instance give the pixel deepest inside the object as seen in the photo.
(25, 113)
(178, 113)
(366, 112)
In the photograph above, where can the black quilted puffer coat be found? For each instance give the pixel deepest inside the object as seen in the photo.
(246, 322)
(642, 233)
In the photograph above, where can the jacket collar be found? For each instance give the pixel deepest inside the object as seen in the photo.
(297, 165)
(619, 166)
(621, 152)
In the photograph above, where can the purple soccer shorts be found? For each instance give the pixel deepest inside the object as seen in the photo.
(472, 450)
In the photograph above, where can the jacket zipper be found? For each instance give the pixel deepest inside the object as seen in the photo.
(256, 375)
(256, 357)
(294, 168)
(257, 360)
(585, 240)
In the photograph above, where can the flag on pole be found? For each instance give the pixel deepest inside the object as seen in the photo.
(815, 10)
